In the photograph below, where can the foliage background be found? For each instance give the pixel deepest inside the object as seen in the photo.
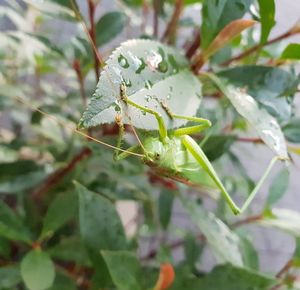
(274, 247)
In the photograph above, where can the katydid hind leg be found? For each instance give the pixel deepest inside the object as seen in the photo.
(203, 161)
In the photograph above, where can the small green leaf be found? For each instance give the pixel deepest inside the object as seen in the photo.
(268, 85)
(124, 269)
(63, 282)
(223, 242)
(216, 14)
(154, 74)
(70, 249)
(250, 255)
(100, 224)
(192, 250)
(109, 26)
(266, 126)
(9, 277)
(292, 51)
(278, 187)
(283, 219)
(11, 226)
(62, 209)
(165, 205)
(37, 270)
(267, 18)
(217, 145)
(228, 277)
(228, 33)
(292, 130)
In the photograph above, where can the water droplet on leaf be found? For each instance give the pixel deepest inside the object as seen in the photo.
(123, 61)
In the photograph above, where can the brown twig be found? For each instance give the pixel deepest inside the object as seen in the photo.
(171, 28)
(77, 68)
(53, 179)
(259, 46)
(92, 33)
(285, 268)
(250, 140)
(156, 6)
(195, 44)
(246, 221)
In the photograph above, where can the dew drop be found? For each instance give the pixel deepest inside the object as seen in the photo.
(141, 66)
(123, 61)
(163, 66)
(173, 63)
(148, 84)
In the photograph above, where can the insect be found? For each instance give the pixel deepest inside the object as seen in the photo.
(175, 154)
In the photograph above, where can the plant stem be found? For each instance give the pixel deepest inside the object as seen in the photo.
(259, 46)
(78, 71)
(192, 48)
(285, 268)
(170, 32)
(246, 221)
(249, 140)
(156, 4)
(92, 33)
(53, 179)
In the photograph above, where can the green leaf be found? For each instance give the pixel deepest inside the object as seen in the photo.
(109, 26)
(192, 250)
(228, 33)
(61, 210)
(292, 51)
(37, 270)
(216, 14)
(228, 277)
(9, 277)
(21, 182)
(217, 145)
(292, 130)
(283, 219)
(63, 282)
(11, 226)
(70, 249)
(250, 255)
(52, 9)
(223, 242)
(278, 187)
(100, 224)
(266, 84)
(267, 18)
(124, 269)
(165, 205)
(154, 74)
(265, 125)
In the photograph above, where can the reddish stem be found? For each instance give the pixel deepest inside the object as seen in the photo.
(192, 48)
(53, 179)
(257, 47)
(80, 78)
(92, 32)
(170, 32)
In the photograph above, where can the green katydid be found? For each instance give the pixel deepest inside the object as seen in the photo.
(177, 155)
